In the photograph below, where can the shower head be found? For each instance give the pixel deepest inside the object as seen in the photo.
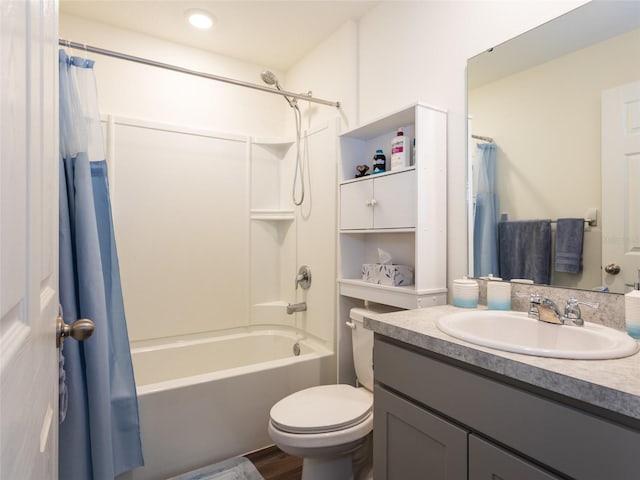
(269, 78)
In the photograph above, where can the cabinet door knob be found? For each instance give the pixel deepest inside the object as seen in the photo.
(373, 202)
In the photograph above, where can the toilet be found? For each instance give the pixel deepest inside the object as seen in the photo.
(330, 426)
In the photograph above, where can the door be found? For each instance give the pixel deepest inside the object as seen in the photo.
(410, 443)
(28, 240)
(356, 207)
(379, 202)
(396, 200)
(621, 186)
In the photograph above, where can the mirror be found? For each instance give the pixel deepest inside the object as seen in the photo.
(535, 100)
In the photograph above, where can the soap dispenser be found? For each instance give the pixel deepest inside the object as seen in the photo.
(632, 309)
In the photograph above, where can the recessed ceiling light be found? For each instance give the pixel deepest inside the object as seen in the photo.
(200, 18)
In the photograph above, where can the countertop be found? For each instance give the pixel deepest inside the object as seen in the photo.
(612, 385)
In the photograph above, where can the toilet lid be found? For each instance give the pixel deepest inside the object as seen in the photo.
(326, 408)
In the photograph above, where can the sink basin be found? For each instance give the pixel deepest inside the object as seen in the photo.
(516, 332)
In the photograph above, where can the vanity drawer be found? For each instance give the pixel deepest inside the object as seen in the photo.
(488, 461)
(559, 436)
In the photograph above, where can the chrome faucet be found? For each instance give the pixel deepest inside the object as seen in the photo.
(544, 309)
(296, 307)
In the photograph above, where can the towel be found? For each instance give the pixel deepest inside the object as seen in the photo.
(569, 240)
(524, 250)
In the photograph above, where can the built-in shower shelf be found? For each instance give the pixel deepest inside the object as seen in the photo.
(273, 304)
(273, 215)
(278, 145)
(274, 140)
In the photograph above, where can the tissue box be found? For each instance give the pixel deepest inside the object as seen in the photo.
(393, 275)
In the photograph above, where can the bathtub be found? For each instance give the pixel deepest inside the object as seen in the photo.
(203, 400)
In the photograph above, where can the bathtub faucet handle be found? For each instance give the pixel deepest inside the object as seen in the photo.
(303, 278)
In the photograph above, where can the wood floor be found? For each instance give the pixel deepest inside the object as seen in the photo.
(274, 464)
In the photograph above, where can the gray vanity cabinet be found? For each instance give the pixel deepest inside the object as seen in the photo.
(410, 441)
(439, 418)
(489, 462)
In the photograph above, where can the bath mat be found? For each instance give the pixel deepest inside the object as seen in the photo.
(236, 468)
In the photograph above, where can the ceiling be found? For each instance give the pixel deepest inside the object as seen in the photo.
(275, 34)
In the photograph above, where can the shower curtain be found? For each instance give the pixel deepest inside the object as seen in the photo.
(485, 246)
(99, 431)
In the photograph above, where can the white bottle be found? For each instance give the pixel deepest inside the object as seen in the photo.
(399, 157)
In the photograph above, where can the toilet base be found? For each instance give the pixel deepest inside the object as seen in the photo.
(336, 468)
(354, 464)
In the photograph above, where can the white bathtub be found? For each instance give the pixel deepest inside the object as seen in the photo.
(207, 399)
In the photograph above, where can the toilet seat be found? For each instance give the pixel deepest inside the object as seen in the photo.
(321, 444)
(323, 409)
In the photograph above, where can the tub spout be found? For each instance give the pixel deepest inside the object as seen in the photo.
(296, 307)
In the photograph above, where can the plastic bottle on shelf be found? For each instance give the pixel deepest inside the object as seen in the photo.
(399, 151)
(413, 153)
(379, 162)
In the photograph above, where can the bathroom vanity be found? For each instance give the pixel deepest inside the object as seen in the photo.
(458, 411)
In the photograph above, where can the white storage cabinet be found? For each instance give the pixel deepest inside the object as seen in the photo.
(400, 211)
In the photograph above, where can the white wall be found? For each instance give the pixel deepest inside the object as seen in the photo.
(331, 72)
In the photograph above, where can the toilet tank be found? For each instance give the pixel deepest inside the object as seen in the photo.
(362, 342)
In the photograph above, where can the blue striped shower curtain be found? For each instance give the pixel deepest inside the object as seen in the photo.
(100, 429)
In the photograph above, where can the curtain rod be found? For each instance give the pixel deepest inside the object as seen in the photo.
(166, 66)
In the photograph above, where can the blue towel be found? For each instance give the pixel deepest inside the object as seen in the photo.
(569, 240)
(525, 250)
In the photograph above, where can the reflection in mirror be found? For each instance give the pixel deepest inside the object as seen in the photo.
(536, 111)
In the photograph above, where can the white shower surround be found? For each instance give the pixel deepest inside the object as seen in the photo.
(193, 236)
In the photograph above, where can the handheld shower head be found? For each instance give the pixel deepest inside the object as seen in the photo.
(269, 78)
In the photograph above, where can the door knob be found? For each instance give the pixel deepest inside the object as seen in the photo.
(612, 269)
(80, 330)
